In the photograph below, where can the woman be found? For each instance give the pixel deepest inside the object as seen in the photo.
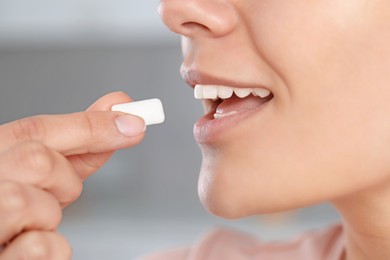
(322, 134)
(317, 129)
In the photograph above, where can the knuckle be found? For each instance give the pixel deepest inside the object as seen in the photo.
(39, 159)
(31, 128)
(90, 164)
(13, 197)
(37, 246)
(89, 124)
(93, 126)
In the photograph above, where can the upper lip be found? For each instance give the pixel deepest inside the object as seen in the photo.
(194, 77)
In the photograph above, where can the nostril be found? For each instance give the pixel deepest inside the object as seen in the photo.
(193, 25)
(191, 28)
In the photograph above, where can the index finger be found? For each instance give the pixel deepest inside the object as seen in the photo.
(76, 133)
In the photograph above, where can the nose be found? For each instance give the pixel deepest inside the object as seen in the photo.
(190, 18)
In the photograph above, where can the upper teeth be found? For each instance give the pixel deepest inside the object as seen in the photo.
(223, 92)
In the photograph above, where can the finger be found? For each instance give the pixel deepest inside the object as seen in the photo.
(77, 133)
(38, 245)
(24, 207)
(86, 164)
(106, 102)
(34, 164)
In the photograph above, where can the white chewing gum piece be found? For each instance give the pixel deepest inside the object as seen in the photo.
(151, 110)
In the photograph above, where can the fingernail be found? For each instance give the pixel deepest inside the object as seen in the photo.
(130, 125)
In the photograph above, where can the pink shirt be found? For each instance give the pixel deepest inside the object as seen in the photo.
(226, 244)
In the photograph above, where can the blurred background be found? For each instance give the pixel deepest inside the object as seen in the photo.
(58, 56)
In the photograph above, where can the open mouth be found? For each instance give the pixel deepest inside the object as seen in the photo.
(224, 101)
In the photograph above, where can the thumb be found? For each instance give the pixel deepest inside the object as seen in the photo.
(106, 102)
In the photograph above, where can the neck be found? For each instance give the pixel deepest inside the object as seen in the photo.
(366, 221)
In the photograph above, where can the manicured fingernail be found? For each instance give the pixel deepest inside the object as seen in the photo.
(130, 125)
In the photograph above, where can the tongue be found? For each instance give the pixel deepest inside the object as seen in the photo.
(235, 105)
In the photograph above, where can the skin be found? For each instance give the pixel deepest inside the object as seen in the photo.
(42, 170)
(325, 135)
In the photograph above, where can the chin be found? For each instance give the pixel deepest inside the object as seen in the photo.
(218, 203)
(236, 201)
(223, 191)
(232, 188)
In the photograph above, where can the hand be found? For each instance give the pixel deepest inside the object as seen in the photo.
(43, 161)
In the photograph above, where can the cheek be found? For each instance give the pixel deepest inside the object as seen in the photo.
(309, 42)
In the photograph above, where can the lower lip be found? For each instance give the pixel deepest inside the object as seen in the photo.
(207, 129)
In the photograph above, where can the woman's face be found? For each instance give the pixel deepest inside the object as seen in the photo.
(324, 134)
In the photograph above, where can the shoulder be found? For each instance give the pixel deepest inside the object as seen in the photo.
(176, 254)
(232, 245)
(220, 243)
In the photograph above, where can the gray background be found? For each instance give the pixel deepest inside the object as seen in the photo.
(63, 55)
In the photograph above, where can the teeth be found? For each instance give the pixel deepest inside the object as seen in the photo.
(261, 92)
(224, 92)
(200, 92)
(242, 92)
(214, 92)
(210, 93)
